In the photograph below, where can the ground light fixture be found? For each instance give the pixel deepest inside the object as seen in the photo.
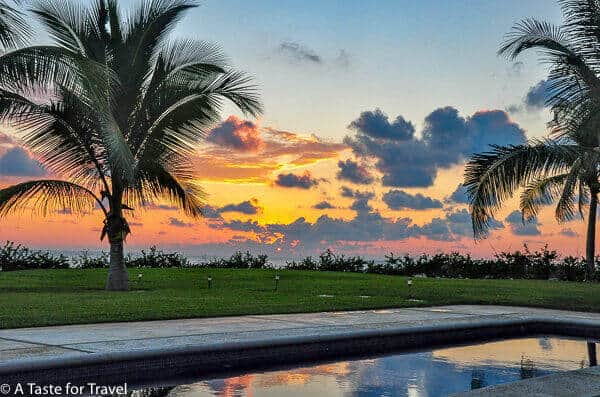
(409, 282)
(276, 281)
(209, 280)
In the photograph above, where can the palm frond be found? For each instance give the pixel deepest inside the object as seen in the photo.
(541, 192)
(565, 208)
(493, 177)
(14, 30)
(571, 76)
(46, 196)
(170, 179)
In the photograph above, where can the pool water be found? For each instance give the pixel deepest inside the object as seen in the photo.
(432, 373)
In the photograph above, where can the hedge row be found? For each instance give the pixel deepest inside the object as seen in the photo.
(539, 264)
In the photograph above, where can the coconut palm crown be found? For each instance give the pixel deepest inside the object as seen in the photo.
(125, 107)
(14, 30)
(564, 168)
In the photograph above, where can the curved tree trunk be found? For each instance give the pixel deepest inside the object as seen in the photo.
(590, 245)
(118, 277)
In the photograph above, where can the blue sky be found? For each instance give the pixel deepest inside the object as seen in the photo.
(406, 57)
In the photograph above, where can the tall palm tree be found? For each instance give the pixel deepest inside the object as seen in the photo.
(566, 166)
(127, 107)
(13, 27)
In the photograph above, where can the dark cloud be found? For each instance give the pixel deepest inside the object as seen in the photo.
(453, 227)
(568, 232)
(399, 199)
(304, 181)
(537, 95)
(236, 134)
(354, 172)
(17, 162)
(376, 124)
(366, 226)
(298, 52)
(163, 207)
(249, 207)
(535, 98)
(323, 205)
(447, 139)
(179, 223)
(459, 196)
(210, 212)
(521, 227)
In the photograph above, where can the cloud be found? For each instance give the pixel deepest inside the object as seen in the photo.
(304, 181)
(249, 207)
(179, 223)
(568, 232)
(446, 140)
(354, 172)
(516, 69)
(279, 148)
(367, 226)
(399, 199)
(537, 95)
(459, 195)
(17, 162)
(519, 227)
(361, 199)
(535, 98)
(376, 124)
(299, 53)
(210, 212)
(236, 134)
(343, 59)
(323, 205)
(163, 207)
(454, 226)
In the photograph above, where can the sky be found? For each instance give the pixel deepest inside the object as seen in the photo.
(371, 110)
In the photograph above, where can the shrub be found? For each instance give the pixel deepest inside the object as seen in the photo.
(328, 261)
(240, 260)
(16, 257)
(155, 258)
(87, 261)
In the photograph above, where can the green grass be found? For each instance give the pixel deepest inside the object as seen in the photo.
(51, 297)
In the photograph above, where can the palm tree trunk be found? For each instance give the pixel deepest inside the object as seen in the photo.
(118, 277)
(590, 247)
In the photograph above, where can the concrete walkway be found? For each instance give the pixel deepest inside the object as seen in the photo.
(80, 340)
(225, 339)
(581, 382)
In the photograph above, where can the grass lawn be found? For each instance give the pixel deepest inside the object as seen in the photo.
(50, 297)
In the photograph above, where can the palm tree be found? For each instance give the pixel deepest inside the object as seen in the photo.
(127, 107)
(566, 166)
(13, 27)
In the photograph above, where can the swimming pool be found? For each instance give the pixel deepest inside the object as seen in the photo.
(427, 373)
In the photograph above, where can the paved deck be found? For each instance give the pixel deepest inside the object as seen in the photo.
(227, 338)
(581, 382)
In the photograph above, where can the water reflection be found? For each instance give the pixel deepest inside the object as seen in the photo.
(435, 373)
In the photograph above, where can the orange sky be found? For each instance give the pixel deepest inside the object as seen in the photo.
(250, 209)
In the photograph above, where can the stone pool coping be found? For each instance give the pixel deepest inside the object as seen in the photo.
(153, 352)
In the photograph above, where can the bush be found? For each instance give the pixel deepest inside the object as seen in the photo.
(87, 261)
(241, 260)
(156, 258)
(16, 257)
(330, 262)
(541, 264)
